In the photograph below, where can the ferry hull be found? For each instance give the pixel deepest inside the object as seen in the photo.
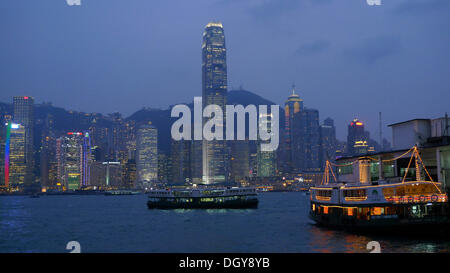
(438, 224)
(197, 204)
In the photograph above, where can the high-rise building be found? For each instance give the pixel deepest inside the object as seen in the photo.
(15, 169)
(311, 140)
(181, 162)
(328, 141)
(301, 146)
(253, 157)
(196, 161)
(24, 115)
(214, 91)
(266, 159)
(129, 179)
(146, 155)
(292, 144)
(74, 160)
(240, 160)
(357, 142)
(2, 152)
(163, 167)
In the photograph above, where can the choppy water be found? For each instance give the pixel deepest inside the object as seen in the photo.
(124, 224)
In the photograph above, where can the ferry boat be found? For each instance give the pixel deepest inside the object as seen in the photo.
(203, 198)
(122, 192)
(380, 205)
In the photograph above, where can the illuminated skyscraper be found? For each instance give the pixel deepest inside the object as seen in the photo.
(73, 156)
(266, 159)
(302, 137)
(15, 163)
(180, 172)
(293, 138)
(24, 115)
(311, 137)
(240, 160)
(147, 155)
(357, 142)
(328, 141)
(214, 91)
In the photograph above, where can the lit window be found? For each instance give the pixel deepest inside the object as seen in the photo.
(350, 212)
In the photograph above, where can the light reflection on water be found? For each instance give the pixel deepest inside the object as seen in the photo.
(124, 224)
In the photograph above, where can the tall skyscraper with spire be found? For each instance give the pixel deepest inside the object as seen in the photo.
(214, 91)
(302, 137)
(292, 141)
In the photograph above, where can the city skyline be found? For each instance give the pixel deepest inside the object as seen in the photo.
(209, 126)
(376, 60)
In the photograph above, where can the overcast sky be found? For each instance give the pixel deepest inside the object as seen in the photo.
(347, 59)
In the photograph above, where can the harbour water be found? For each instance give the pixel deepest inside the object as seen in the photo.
(124, 224)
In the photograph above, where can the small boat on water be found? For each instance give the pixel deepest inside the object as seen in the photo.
(203, 198)
(381, 205)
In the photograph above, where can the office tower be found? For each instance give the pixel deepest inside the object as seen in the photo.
(328, 141)
(302, 137)
(2, 153)
(253, 158)
(113, 174)
(98, 175)
(357, 142)
(99, 138)
(196, 161)
(240, 160)
(311, 140)
(129, 179)
(15, 167)
(24, 115)
(181, 168)
(146, 155)
(163, 167)
(214, 91)
(292, 144)
(74, 160)
(266, 160)
(86, 159)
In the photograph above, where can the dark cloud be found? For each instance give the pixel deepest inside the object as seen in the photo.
(131, 54)
(372, 50)
(313, 48)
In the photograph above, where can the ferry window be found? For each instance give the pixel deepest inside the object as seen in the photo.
(377, 211)
(355, 193)
(389, 170)
(345, 170)
(325, 210)
(388, 192)
(350, 211)
(374, 172)
(323, 193)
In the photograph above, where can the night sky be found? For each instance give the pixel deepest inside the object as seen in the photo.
(347, 59)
